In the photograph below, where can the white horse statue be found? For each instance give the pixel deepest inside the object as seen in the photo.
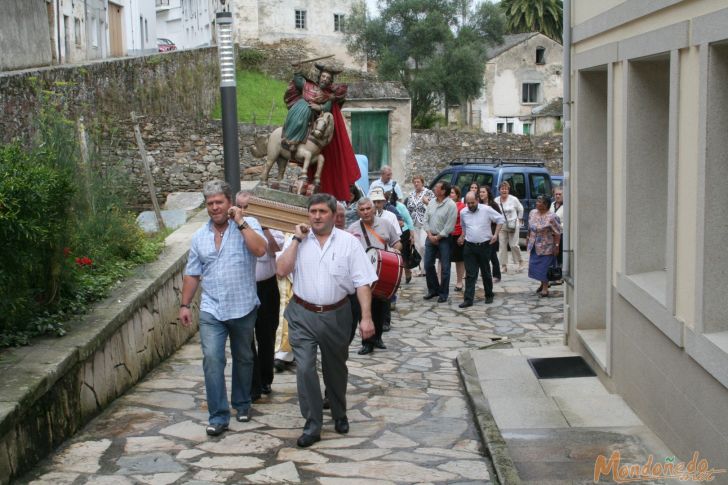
(306, 152)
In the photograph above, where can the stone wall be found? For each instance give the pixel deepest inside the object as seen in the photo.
(185, 154)
(179, 84)
(51, 389)
(432, 150)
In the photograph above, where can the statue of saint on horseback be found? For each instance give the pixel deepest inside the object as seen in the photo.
(314, 132)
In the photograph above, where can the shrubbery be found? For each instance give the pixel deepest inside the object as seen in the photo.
(66, 233)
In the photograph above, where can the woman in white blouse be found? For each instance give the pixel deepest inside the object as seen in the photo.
(416, 204)
(513, 212)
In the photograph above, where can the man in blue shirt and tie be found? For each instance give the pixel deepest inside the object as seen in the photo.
(223, 256)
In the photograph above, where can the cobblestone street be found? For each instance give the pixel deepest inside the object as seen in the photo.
(410, 420)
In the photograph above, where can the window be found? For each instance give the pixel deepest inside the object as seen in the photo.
(526, 128)
(518, 184)
(94, 32)
(338, 22)
(146, 30)
(530, 93)
(540, 185)
(509, 127)
(300, 19)
(540, 55)
(499, 127)
(77, 30)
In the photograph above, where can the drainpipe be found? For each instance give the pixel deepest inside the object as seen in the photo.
(567, 251)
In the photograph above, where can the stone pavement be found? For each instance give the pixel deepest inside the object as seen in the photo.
(410, 420)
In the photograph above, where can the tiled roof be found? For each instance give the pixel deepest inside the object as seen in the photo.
(509, 41)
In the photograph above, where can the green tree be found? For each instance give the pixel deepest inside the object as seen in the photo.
(434, 47)
(545, 16)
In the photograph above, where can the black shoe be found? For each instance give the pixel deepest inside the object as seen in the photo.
(341, 425)
(279, 365)
(442, 299)
(327, 403)
(265, 389)
(386, 327)
(408, 279)
(256, 397)
(216, 429)
(366, 349)
(458, 288)
(488, 300)
(243, 416)
(306, 440)
(429, 296)
(379, 344)
(466, 304)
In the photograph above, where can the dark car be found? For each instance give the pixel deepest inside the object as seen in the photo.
(557, 181)
(166, 45)
(528, 178)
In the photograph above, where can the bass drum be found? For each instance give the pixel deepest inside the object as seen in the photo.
(389, 267)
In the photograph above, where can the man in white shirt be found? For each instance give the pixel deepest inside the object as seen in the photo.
(475, 219)
(328, 264)
(379, 200)
(266, 322)
(386, 183)
(373, 231)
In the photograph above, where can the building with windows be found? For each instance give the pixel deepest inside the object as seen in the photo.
(647, 267)
(522, 73)
(318, 23)
(187, 23)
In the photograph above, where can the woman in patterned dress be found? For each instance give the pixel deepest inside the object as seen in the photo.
(544, 229)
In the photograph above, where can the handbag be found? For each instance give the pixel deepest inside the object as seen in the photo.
(510, 223)
(554, 272)
(414, 260)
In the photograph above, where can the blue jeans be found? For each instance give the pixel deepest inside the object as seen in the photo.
(432, 252)
(213, 336)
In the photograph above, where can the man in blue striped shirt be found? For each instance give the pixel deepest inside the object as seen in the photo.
(222, 256)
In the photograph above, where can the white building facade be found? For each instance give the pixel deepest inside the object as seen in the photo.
(187, 23)
(522, 73)
(645, 241)
(318, 23)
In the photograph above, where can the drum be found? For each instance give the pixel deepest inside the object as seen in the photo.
(389, 267)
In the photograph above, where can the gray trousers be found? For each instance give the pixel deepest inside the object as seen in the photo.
(330, 332)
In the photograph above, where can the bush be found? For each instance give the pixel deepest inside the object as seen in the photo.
(67, 234)
(250, 58)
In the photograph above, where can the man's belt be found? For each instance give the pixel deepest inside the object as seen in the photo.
(319, 308)
(478, 243)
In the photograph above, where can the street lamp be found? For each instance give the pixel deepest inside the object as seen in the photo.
(228, 99)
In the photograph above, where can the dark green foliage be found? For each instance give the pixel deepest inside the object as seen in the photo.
(67, 236)
(436, 48)
(545, 16)
(251, 59)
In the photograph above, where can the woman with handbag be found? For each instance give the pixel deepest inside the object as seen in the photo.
(512, 210)
(544, 231)
(416, 204)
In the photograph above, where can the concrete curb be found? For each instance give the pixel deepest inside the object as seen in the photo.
(495, 444)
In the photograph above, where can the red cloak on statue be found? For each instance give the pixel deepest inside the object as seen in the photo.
(340, 166)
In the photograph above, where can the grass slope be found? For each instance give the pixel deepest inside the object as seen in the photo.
(256, 95)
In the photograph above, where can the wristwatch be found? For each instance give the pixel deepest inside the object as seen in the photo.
(182, 305)
(298, 239)
(243, 225)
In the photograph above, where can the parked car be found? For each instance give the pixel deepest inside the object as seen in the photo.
(166, 45)
(528, 178)
(557, 181)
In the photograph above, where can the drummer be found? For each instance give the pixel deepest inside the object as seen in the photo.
(373, 231)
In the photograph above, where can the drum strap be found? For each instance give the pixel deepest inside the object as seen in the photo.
(365, 229)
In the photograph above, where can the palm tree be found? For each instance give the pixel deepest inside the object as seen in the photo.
(543, 16)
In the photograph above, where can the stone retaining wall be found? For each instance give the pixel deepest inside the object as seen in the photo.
(50, 390)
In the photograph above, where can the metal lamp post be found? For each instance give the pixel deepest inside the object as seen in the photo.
(228, 99)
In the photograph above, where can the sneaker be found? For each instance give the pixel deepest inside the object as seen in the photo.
(243, 416)
(216, 429)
